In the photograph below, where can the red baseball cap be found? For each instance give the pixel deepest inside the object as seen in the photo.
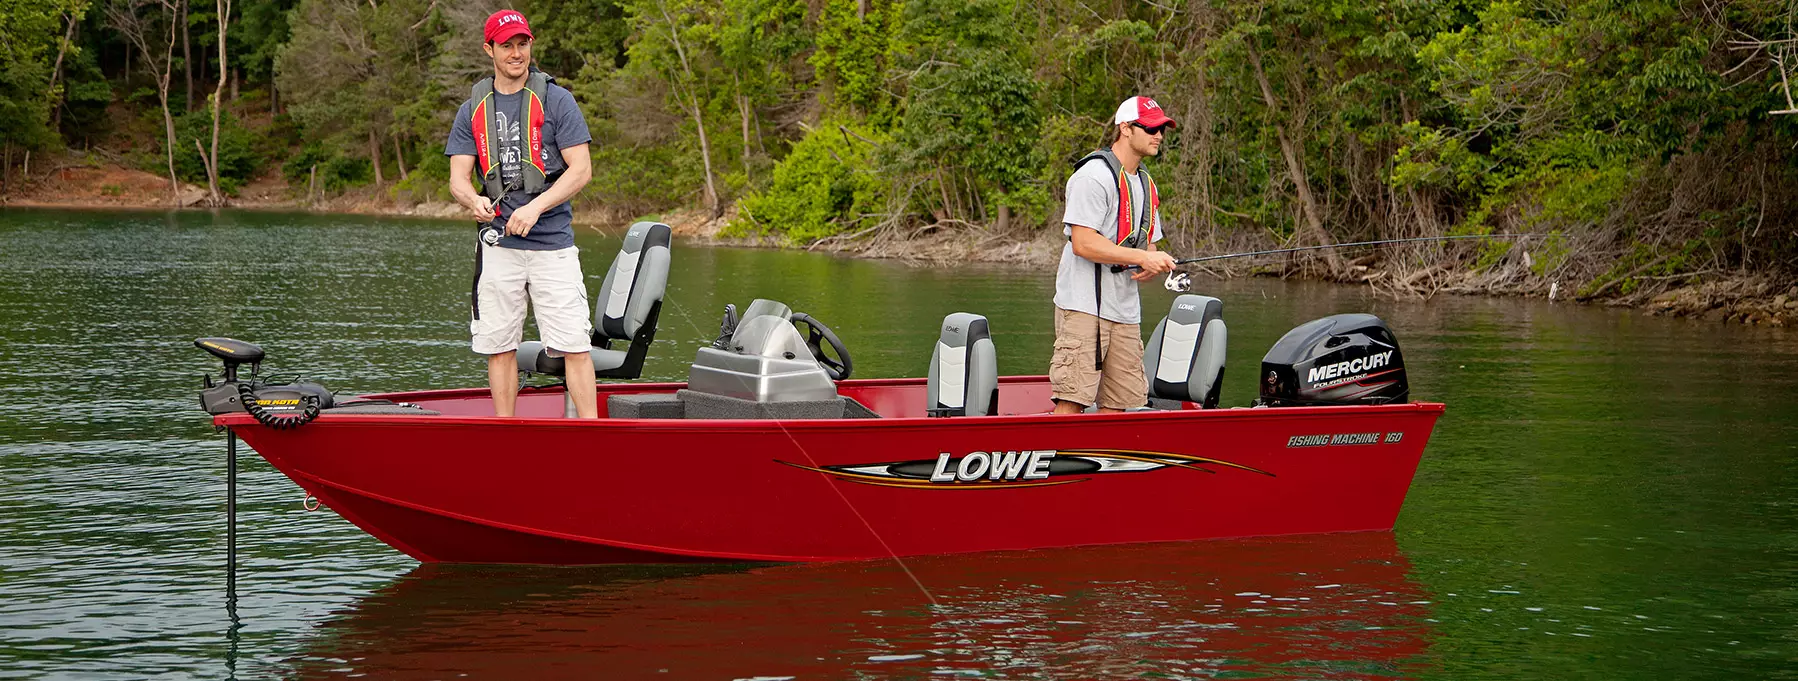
(1142, 111)
(504, 24)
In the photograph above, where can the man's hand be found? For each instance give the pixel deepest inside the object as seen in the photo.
(523, 219)
(1153, 263)
(482, 209)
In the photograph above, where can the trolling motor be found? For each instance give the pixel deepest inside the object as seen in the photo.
(276, 405)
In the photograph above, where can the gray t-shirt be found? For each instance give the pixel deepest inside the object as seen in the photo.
(1093, 202)
(563, 126)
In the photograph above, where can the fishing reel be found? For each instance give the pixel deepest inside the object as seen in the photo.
(490, 233)
(1177, 281)
(276, 405)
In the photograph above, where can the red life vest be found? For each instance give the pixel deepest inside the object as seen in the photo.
(1133, 229)
(487, 136)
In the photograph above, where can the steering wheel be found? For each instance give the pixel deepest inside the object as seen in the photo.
(816, 335)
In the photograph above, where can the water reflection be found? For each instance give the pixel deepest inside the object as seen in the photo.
(1335, 606)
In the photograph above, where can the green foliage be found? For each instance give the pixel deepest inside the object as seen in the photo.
(29, 36)
(1645, 261)
(851, 54)
(335, 172)
(827, 185)
(1613, 123)
(238, 160)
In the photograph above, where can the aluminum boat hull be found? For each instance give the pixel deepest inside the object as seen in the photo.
(468, 488)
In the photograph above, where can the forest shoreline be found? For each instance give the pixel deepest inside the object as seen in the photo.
(1748, 298)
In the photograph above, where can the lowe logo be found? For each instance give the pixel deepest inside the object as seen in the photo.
(1353, 366)
(1022, 465)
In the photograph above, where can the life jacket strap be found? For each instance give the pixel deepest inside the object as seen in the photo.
(488, 142)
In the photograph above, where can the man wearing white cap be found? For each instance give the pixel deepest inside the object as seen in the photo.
(1113, 218)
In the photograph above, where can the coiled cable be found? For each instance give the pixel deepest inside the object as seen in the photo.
(262, 416)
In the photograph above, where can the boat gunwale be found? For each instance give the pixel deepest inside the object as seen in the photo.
(882, 423)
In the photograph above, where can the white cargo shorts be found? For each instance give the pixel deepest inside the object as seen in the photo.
(506, 278)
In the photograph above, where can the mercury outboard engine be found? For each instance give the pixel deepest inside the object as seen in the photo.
(1337, 360)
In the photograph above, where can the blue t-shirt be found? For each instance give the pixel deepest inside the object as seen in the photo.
(563, 126)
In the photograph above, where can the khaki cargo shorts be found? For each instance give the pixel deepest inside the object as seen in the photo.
(550, 282)
(1072, 376)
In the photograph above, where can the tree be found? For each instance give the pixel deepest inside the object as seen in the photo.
(213, 197)
(145, 23)
(661, 47)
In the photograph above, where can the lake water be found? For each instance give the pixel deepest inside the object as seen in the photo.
(1609, 496)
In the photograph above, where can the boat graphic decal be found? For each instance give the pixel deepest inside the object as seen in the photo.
(1018, 468)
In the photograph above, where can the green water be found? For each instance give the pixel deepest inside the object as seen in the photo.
(1608, 496)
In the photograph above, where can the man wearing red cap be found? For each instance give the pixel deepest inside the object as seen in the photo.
(526, 140)
(1113, 218)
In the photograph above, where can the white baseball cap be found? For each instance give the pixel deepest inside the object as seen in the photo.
(1142, 111)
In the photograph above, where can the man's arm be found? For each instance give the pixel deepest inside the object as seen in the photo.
(580, 169)
(1090, 244)
(463, 190)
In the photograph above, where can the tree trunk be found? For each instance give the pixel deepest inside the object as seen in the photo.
(62, 48)
(399, 155)
(374, 156)
(214, 197)
(1295, 165)
(168, 120)
(187, 59)
(705, 154)
(236, 77)
(743, 111)
(705, 145)
(312, 186)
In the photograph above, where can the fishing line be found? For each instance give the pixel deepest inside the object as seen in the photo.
(833, 487)
(858, 516)
(1296, 249)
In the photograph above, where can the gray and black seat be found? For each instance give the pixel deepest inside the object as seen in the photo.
(1184, 359)
(626, 309)
(964, 375)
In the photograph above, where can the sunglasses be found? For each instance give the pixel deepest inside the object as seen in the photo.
(1154, 130)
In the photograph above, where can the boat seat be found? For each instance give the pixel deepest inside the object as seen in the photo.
(1184, 360)
(964, 376)
(626, 309)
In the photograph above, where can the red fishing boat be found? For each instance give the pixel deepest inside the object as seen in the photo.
(770, 452)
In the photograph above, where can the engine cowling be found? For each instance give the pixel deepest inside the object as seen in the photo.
(1338, 360)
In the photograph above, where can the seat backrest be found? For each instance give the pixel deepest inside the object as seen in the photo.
(1184, 359)
(964, 376)
(634, 285)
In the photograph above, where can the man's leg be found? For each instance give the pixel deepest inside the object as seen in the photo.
(1073, 380)
(497, 322)
(581, 386)
(559, 299)
(1123, 384)
(502, 381)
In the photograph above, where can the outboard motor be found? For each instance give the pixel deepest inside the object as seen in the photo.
(1338, 360)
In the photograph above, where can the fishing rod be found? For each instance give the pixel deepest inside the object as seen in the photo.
(1381, 242)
